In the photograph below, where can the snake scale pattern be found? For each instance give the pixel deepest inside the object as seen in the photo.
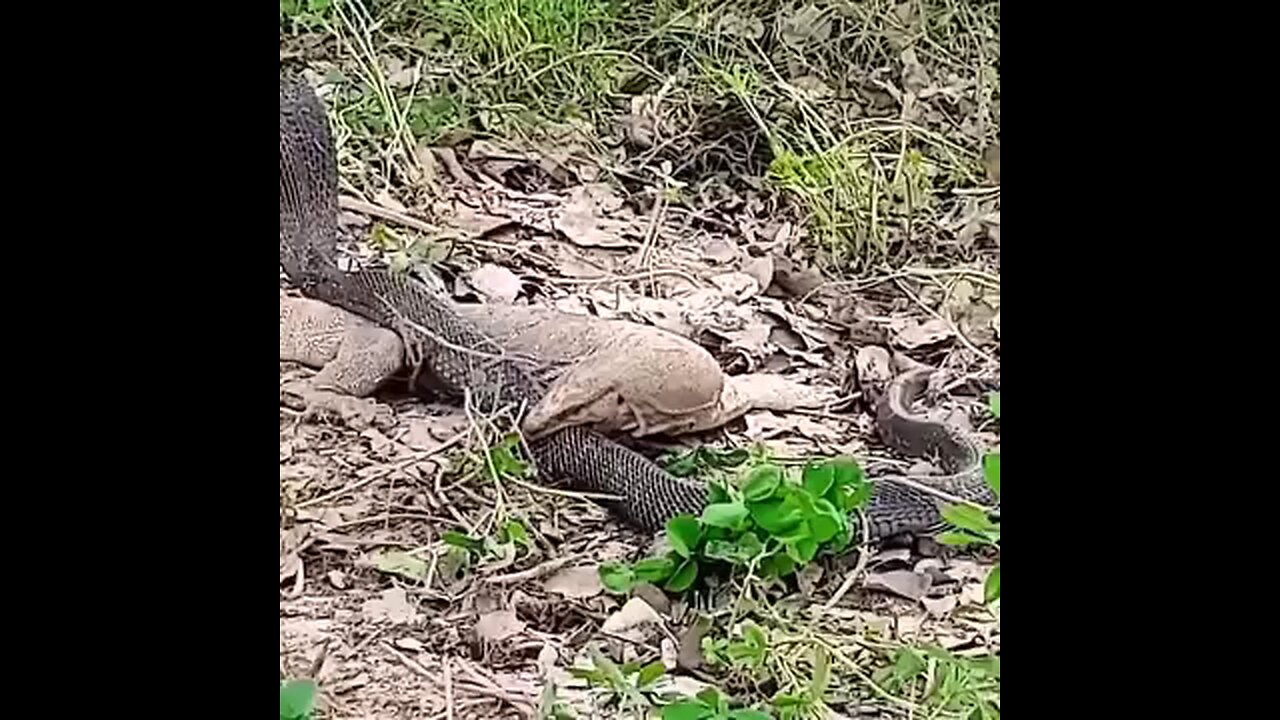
(462, 359)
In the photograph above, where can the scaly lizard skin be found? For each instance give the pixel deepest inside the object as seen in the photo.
(613, 376)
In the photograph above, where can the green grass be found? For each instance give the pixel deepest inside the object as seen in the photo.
(863, 116)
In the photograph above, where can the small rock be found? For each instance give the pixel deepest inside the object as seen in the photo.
(905, 583)
(634, 613)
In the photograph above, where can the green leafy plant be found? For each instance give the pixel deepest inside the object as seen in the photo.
(304, 14)
(701, 460)
(969, 687)
(794, 705)
(509, 538)
(747, 652)
(972, 526)
(297, 698)
(709, 704)
(771, 522)
(630, 685)
(504, 458)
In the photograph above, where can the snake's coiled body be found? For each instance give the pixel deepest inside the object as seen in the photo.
(462, 358)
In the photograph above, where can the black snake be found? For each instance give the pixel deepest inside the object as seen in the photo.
(461, 358)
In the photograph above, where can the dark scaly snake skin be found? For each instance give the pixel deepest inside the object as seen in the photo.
(462, 358)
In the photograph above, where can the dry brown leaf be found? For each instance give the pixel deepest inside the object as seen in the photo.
(972, 594)
(496, 283)
(907, 626)
(752, 340)
(427, 434)
(719, 251)
(874, 365)
(689, 654)
(939, 607)
(796, 279)
(761, 269)
(575, 582)
(606, 200)
(991, 162)
(477, 222)
(392, 605)
(408, 643)
(747, 27)
(807, 24)
(809, 577)
(499, 625)
(766, 391)
(890, 555)
(967, 571)
(905, 583)
(581, 223)
(635, 613)
(736, 285)
(914, 335)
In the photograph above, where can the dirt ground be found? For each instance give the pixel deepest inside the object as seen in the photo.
(367, 580)
(394, 617)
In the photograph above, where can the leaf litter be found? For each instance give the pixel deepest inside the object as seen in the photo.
(756, 300)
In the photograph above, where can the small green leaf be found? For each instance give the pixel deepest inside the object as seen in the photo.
(753, 634)
(710, 697)
(819, 478)
(804, 501)
(728, 459)
(683, 577)
(788, 700)
(761, 482)
(802, 551)
(847, 471)
(776, 516)
(591, 675)
(462, 540)
(515, 532)
(296, 699)
(617, 578)
(654, 570)
(778, 565)
(650, 673)
(842, 538)
(401, 563)
(967, 517)
(725, 515)
(991, 589)
(907, 665)
(991, 471)
(821, 672)
(717, 492)
(686, 711)
(858, 498)
(683, 532)
(725, 550)
(745, 714)
(682, 465)
(993, 403)
(959, 539)
(749, 546)
(794, 535)
(826, 522)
